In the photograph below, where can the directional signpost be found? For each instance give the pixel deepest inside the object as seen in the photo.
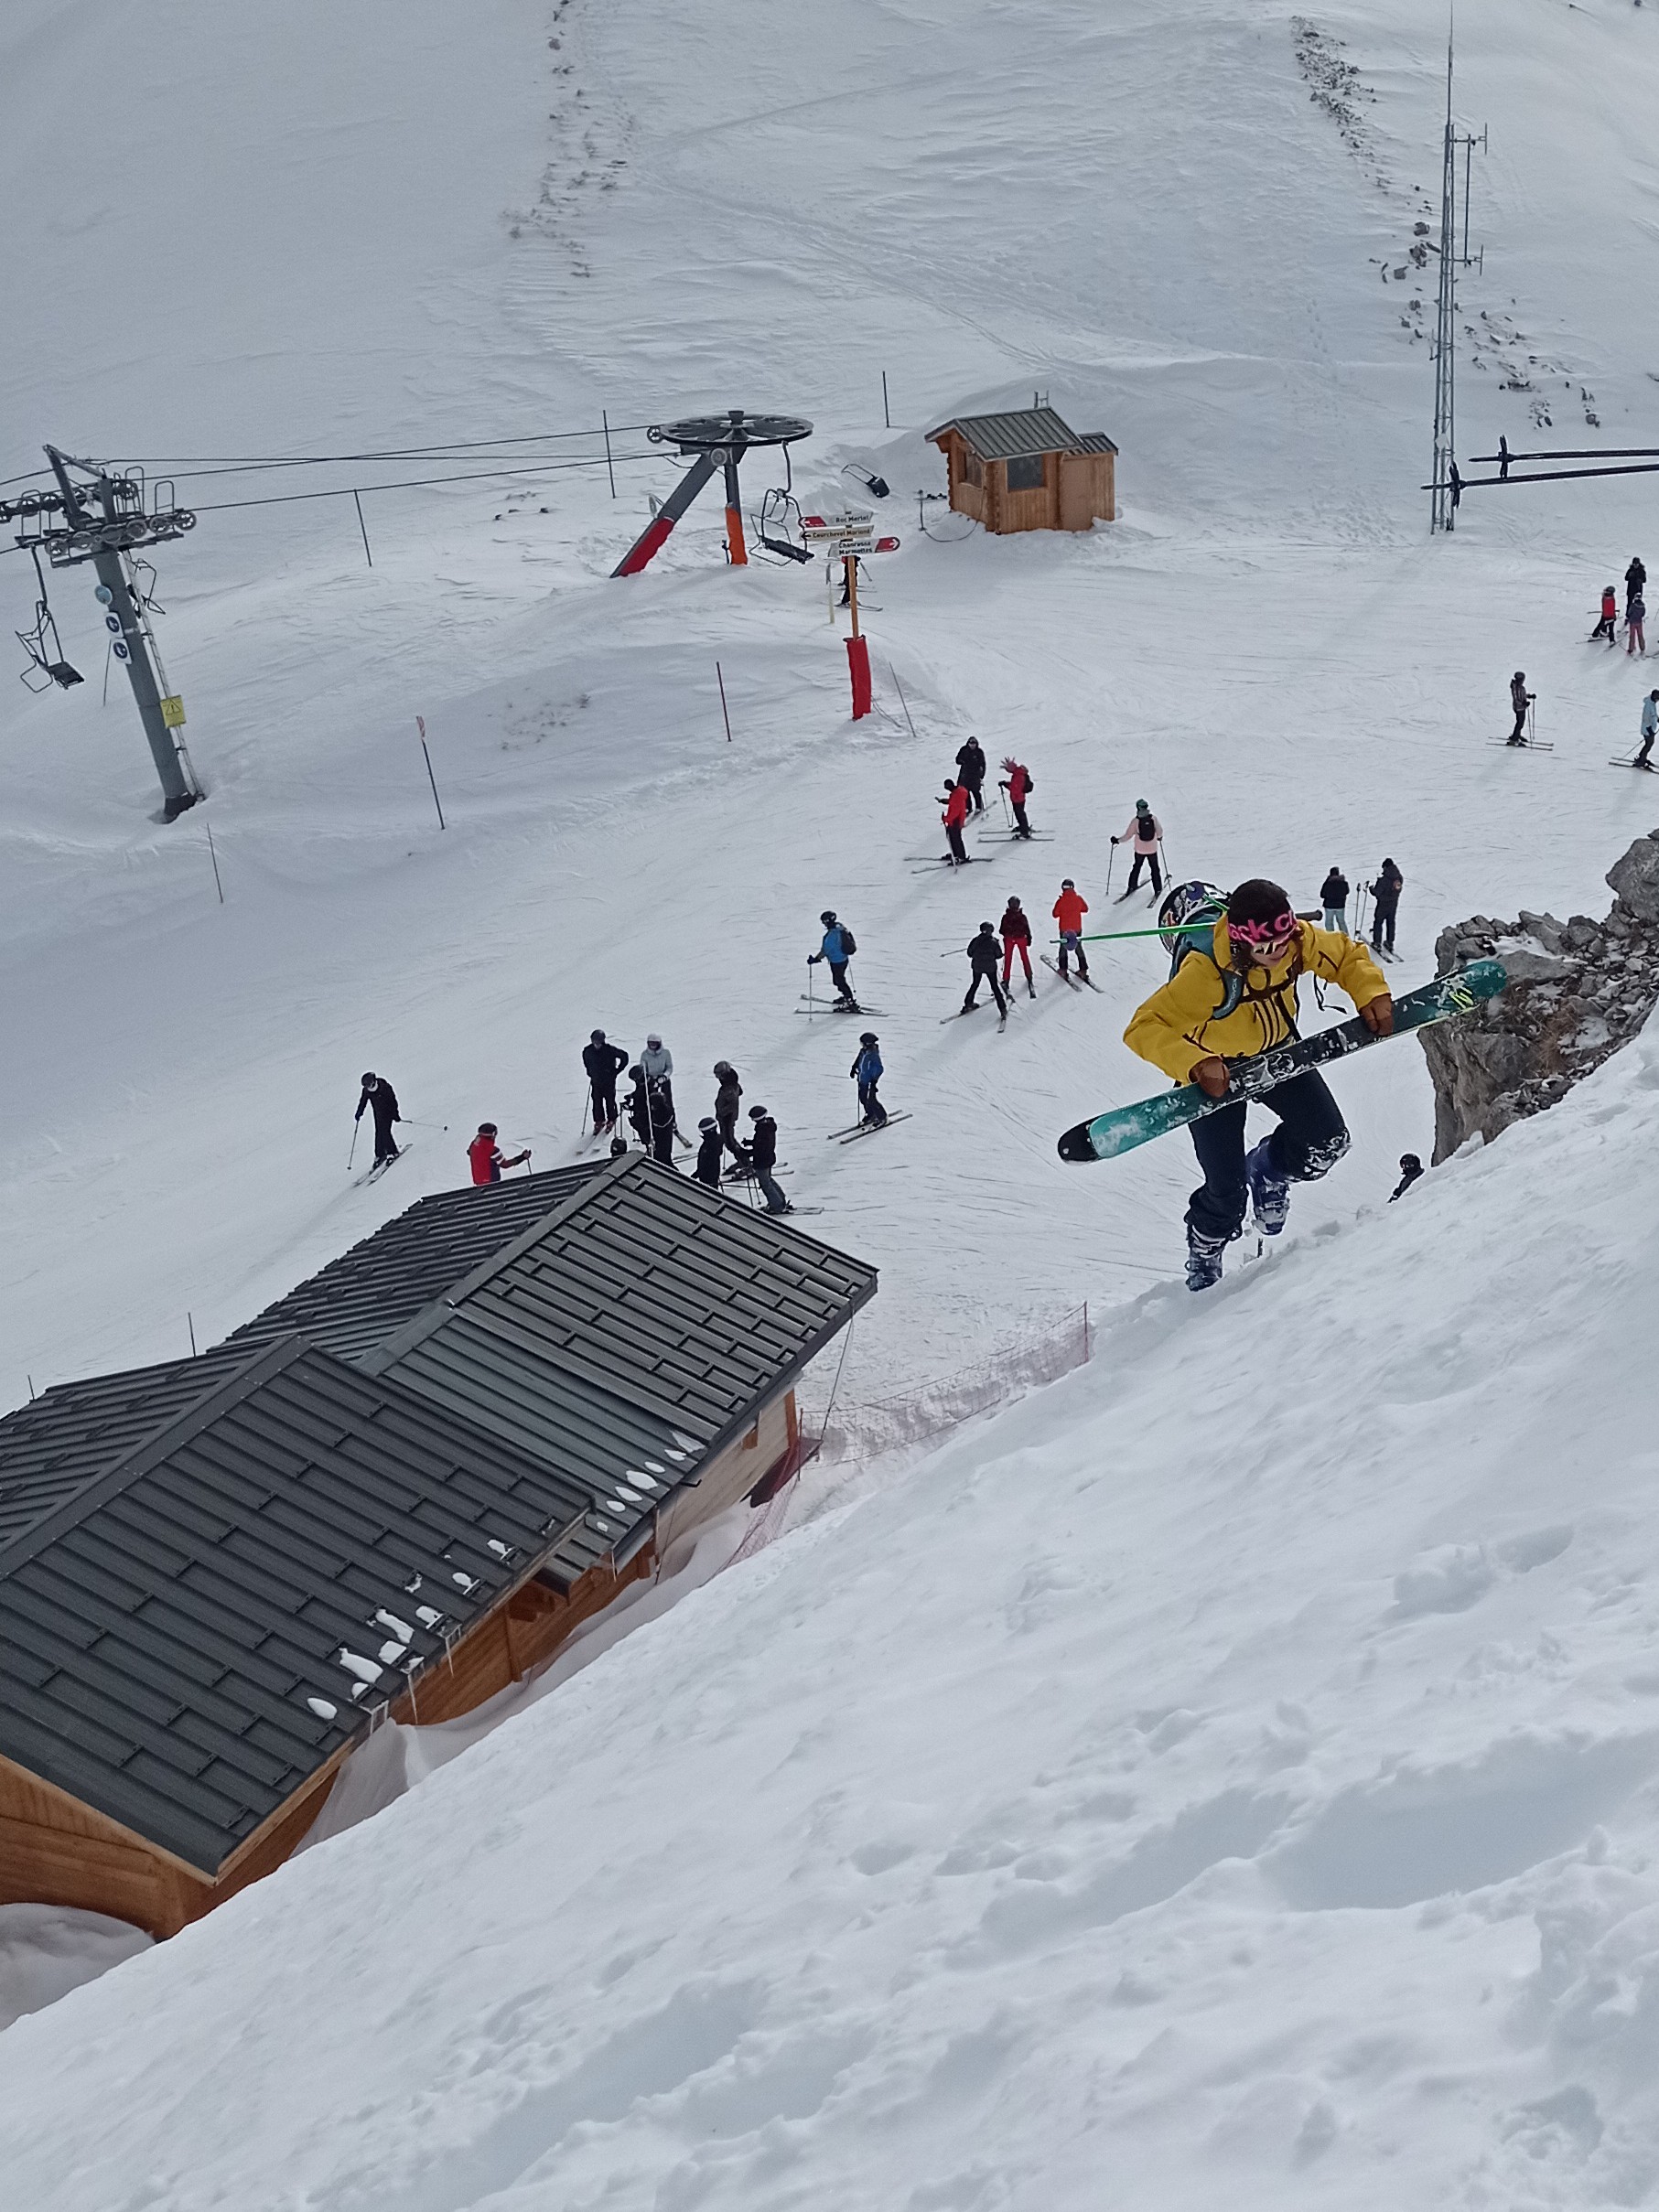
(846, 538)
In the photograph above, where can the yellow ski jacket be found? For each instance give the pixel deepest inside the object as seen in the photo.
(1208, 1007)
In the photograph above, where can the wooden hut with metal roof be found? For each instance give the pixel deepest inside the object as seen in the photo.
(1027, 469)
(393, 1493)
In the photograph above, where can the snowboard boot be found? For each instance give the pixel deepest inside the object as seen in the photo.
(1203, 1259)
(1269, 1190)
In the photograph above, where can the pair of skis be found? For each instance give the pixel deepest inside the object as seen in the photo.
(379, 1168)
(1124, 1127)
(1067, 976)
(863, 1129)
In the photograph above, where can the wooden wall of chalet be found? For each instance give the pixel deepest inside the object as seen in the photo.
(55, 1850)
(1076, 491)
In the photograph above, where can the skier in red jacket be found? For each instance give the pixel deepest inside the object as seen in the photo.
(487, 1156)
(956, 803)
(1069, 911)
(1018, 786)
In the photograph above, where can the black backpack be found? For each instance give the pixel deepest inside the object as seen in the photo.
(849, 943)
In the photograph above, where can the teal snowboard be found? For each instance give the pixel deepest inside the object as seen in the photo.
(1122, 1130)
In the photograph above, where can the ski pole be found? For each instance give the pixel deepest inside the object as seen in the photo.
(809, 990)
(1103, 937)
(1111, 864)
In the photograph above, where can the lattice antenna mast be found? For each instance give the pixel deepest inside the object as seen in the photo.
(1442, 476)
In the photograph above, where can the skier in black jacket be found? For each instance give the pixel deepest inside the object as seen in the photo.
(709, 1151)
(1520, 698)
(1635, 581)
(763, 1158)
(1333, 897)
(983, 953)
(381, 1099)
(1411, 1168)
(604, 1062)
(1386, 891)
(970, 771)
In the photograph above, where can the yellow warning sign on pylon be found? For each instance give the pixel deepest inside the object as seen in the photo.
(172, 712)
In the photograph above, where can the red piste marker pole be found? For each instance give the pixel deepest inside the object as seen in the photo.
(857, 646)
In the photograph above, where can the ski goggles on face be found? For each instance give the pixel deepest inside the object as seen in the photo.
(1263, 940)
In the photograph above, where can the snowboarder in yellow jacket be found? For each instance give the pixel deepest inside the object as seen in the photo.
(1231, 997)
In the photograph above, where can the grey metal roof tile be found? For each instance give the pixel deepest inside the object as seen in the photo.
(1021, 433)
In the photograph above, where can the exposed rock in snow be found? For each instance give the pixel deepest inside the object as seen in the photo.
(1577, 990)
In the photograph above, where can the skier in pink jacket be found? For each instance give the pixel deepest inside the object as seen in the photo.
(1147, 834)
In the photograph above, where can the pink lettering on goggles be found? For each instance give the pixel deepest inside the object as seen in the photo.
(1263, 940)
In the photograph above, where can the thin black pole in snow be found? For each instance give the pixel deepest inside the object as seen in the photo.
(605, 418)
(107, 658)
(420, 724)
(720, 679)
(190, 1323)
(903, 701)
(213, 856)
(887, 413)
(363, 527)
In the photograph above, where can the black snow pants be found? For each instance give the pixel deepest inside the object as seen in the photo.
(985, 975)
(1311, 1137)
(959, 852)
(1382, 925)
(1157, 881)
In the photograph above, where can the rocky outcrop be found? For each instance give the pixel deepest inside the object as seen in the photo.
(1577, 990)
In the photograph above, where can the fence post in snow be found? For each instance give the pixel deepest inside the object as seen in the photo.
(420, 724)
(213, 856)
(887, 413)
(720, 679)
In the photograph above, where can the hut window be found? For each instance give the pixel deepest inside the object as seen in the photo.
(1025, 473)
(973, 468)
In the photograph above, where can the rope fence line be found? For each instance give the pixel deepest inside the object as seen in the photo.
(926, 1410)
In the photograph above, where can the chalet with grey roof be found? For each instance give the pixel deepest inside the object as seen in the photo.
(1027, 469)
(395, 1492)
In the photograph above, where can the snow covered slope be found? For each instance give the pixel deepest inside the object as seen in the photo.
(392, 227)
(1235, 1768)
(1231, 1769)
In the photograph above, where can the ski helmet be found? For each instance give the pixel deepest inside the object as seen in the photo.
(828, 916)
(652, 1038)
(757, 1113)
(866, 1037)
(706, 1123)
(370, 1077)
(486, 1129)
(1519, 675)
(1141, 806)
(597, 1037)
(988, 929)
(1186, 907)
(1066, 884)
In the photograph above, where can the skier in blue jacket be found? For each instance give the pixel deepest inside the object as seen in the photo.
(866, 1072)
(837, 949)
